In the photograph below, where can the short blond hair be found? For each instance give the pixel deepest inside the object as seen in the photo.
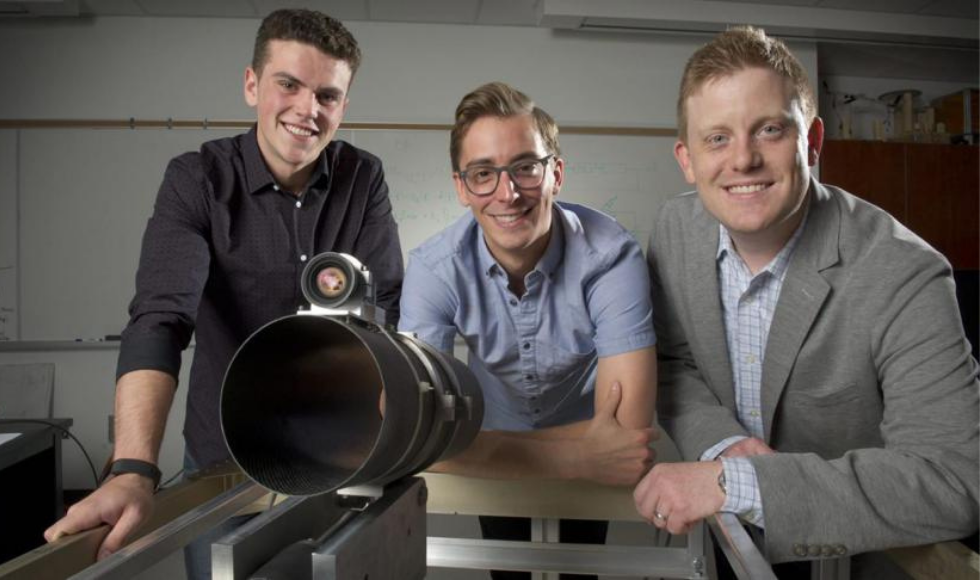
(499, 100)
(739, 48)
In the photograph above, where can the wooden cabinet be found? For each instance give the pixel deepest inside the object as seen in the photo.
(932, 189)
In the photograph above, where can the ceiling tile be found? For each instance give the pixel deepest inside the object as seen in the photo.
(451, 11)
(953, 9)
(339, 9)
(190, 8)
(508, 12)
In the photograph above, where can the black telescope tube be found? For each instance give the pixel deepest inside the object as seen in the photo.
(300, 405)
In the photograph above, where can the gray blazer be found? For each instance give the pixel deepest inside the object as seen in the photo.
(869, 392)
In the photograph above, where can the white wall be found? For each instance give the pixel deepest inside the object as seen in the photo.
(116, 68)
(192, 68)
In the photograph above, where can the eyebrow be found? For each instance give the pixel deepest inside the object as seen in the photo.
(782, 117)
(330, 92)
(288, 77)
(519, 157)
(325, 91)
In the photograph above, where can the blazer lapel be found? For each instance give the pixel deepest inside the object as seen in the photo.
(704, 294)
(803, 294)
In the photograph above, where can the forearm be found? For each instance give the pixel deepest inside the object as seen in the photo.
(513, 455)
(599, 450)
(562, 432)
(143, 400)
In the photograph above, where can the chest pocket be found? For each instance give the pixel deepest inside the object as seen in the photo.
(559, 364)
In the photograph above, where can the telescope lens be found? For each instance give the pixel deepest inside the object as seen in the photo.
(331, 281)
(301, 399)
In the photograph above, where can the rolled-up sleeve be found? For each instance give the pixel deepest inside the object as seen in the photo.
(619, 302)
(173, 270)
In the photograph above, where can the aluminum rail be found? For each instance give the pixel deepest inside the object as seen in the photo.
(743, 555)
(158, 544)
(604, 560)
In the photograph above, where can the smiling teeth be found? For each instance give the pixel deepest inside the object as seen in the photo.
(747, 188)
(298, 131)
(507, 218)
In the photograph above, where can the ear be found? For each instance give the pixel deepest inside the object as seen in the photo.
(461, 194)
(251, 88)
(814, 139)
(683, 157)
(559, 174)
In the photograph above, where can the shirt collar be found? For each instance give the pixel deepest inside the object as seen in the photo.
(257, 174)
(549, 261)
(778, 265)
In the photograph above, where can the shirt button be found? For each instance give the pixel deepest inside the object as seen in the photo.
(299, 204)
(527, 346)
(537, 411)
(513, 302)
(534, 398)
(750, 359)
(799, 550)
(754, 412)
(302, 258)
(529, 378)
(275, 187)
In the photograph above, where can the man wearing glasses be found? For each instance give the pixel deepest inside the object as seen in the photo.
(553, 302)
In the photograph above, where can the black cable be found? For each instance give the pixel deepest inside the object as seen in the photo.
(95, 475)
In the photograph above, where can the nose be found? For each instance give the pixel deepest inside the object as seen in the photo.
(506, 191)
(307, 104)
(746, 155)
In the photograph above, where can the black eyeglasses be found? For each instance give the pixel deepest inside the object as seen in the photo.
(482, 180)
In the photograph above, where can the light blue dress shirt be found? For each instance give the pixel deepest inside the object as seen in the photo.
(749, 303)
(535, 355)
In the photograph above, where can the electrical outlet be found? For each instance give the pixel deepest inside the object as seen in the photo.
(112, 429)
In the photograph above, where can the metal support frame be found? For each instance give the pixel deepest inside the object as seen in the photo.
(546, 503)
(73, 554)
(831, 569)
(739, 549)
(324, 538)
(333, 537)
(552, 558)
(155, 546)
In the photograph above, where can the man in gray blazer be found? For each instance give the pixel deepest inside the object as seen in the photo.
(813, 366)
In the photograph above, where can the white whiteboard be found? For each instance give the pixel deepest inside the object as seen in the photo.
(83, 196)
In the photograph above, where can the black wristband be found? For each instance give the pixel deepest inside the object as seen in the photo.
(139, 467)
